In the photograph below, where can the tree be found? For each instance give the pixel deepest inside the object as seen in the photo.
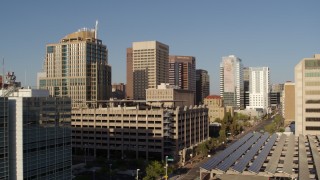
(154, 170)
(270, 128)
(203, 148)
(222, 136)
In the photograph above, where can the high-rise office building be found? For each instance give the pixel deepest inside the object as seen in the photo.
(77, 67)
(4, 138)
(259, 88)
(246, 83)
(202, 85)
(307, 96)
(129, 85)
(182, 72)
(149, 66)
(231, 81)
(275, 96)
(39, 135)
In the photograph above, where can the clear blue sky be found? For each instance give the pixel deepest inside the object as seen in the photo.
(273, 33)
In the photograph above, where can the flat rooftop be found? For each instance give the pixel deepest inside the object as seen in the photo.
(265, 155)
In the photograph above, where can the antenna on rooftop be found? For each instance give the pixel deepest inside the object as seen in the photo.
(96, 30)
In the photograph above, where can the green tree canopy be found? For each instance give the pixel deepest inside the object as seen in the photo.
(154, 170)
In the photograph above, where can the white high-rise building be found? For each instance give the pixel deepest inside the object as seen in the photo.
(259, 88)
(307, 96)
(231, 81)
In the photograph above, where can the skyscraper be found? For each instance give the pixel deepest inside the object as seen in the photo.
(129, 85)
(182, 72)
(4, 138)
(77, 67)
(246, 83)
(307, 96)
(259, 88)
(231, 81)
(150, 66)
(202, 85)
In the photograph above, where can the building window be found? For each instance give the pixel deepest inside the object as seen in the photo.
(313, 128)
(313, 119)
(313, 110)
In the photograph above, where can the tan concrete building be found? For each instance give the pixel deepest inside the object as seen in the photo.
(169, 96)
(215, 107)
(149, 66)
(288, 106)
(129, 85)
(307, 96)
(77, 67)
(139, 131)
(182, 72)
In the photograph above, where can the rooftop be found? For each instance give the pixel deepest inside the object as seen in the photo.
(276, 155)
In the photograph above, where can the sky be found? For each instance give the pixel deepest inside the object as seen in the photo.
(273, 33)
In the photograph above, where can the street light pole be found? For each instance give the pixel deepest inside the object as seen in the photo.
(85, 154)
(166, 177)
(110, 170)
(137, 174)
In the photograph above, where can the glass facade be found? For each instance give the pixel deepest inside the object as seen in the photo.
(43, 150)
(4, 141)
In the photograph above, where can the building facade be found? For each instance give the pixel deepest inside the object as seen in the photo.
(182, 72)
(259, 88)
(118, 90)
(139, 132)
(4, 138)
(288, 106)
(39, 135)
(246, 84)
(149, 66)
(169, 96)
(202, 85)
(215, 107)
(77, 67)
(231, 81)
(129, 85)
(307, 96)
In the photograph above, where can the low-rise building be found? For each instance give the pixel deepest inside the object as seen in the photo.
(169, 96)
(215, 107)
(139, 131)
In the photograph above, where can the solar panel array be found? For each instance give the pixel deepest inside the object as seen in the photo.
(288, 160)
(303, 161)
(213, 162)
(239, 155)
(315, 155)
(241, 165)
(224, 166)
(258, 162)
(273, 162)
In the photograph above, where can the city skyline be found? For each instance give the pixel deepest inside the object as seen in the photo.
(272, 34)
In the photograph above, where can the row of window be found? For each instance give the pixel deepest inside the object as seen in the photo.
(313, 119)
(313, 128)
(315, 110)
